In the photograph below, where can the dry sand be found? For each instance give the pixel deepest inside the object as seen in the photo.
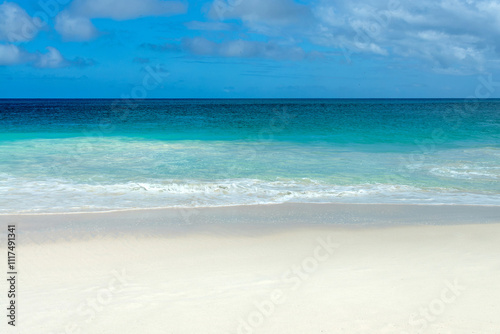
(259, 269)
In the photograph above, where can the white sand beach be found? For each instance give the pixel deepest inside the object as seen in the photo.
(291, 268)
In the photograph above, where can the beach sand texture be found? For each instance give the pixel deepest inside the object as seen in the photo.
(306, 268)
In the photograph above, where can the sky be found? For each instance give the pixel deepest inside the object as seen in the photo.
(249, 49)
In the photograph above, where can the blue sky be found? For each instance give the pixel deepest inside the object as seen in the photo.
(248, 48)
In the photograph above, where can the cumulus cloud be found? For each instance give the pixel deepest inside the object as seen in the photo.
(51, 59)
(11, 54)
(75, 22)
(458, 36)
(75, 28)
(272, 18)
(15, 24)
(278, 12)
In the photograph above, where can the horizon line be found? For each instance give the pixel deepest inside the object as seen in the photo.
(249, 98)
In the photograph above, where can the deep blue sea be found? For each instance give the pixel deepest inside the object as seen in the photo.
(99, 155)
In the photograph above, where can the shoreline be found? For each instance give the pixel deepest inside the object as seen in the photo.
(257, 219)
(238, 205)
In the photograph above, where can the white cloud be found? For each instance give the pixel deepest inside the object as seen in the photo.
(11, 54)
(278, 12)
(455, 36)
(15, 24)
(328, 15)
(242, 49)
(75, 22)
(277, 18)
(235, 48)
(75, 28)
(200, 46)
(51, 59)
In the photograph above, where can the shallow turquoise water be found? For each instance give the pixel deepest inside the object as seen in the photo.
(94, 155)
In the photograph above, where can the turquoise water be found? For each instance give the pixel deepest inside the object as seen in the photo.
(98, 155)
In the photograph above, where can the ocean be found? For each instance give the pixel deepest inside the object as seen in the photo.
(89, 155)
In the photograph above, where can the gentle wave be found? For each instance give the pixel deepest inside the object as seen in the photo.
(56, 195)
(467, 172)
